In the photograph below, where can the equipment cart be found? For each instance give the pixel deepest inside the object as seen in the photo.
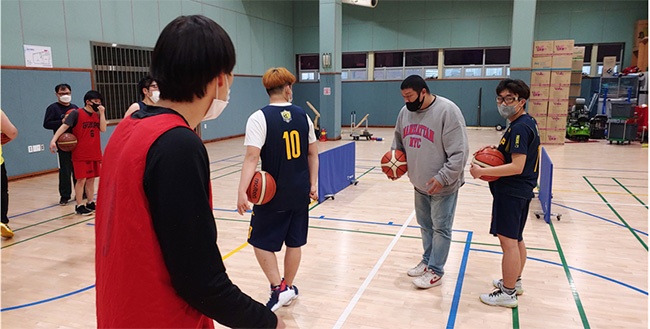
(353, 128)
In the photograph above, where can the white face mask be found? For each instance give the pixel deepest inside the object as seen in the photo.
(155, 96)
(217, 106)
(65, 98)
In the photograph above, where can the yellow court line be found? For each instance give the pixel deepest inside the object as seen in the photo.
(235, 251)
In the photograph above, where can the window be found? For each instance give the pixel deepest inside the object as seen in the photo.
(422, 58)
(118, 69)
(354, 66)
(477, 63)
(308, 66)
(394, 59)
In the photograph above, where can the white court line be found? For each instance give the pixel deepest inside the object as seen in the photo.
(372, 274)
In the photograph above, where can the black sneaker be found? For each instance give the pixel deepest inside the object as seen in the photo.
(64, 201)
(90, 206)
(82, 210)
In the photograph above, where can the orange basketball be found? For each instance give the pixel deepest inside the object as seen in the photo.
(261, 189)
(67, 142)
(486, 158)
(393, 164)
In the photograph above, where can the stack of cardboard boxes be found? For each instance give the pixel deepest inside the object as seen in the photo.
(550, 85)
(576, 74)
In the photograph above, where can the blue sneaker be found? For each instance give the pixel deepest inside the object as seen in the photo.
(280, 296)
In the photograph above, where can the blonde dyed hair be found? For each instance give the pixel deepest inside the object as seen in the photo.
(276, 78)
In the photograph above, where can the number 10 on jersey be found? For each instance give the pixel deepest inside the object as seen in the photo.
(292, 144)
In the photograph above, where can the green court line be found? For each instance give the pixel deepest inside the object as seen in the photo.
(232, 165)
(224, 175)
(515, 318)
(43, 222)
(616, 213)
(574, 291)
(628, 191)
(46, 233)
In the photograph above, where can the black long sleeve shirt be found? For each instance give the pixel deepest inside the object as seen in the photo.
(54, 115)
(176, 183)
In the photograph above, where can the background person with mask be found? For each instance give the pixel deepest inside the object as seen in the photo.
(149, 94)
(86, 124)
(512, 192)
(158, 264)
(54, 115)
(431, 131)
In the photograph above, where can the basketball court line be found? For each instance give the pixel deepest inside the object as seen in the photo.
(617, 215)
(596, 216)
(628, 191)
(339, 323)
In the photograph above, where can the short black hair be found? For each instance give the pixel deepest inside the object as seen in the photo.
(190, 52)
(516, 86)
(61, 86)
(93, 94)
(145, 82)
(414, 82)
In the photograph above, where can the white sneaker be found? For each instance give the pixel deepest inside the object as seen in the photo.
(499, 298)
(417, 270)
(499, 283)
(427, 280)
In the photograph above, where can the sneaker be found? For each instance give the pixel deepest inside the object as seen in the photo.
(500, 298)
(82, 210)
(280, 296)
(64, 201)
(295, 295)
(518, 287)
(427, 280)
(5, 231)
(417, 270)
(90, 206)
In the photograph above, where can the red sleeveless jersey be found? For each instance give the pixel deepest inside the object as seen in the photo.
(134, 289)
(89, 146)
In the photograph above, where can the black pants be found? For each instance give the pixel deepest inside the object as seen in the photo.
(5, 195)
(65, 172)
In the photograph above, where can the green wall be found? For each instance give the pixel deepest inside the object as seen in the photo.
(262, 31)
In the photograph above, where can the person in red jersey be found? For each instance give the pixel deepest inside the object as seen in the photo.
(86, 123)
(157, 262)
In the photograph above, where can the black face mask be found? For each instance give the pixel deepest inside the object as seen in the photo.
(414, 105)
(95, 106)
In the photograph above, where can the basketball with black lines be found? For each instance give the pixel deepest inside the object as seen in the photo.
(488, 157)
(261, 188)
(67, 142)
(393, 164)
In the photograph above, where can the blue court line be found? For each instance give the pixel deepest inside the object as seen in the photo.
(451, 320)
(11, 308)
(33, 211)
(596, 216)
(573, 268)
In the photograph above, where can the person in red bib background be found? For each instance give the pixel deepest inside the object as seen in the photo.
(86, 122)
(157, 262)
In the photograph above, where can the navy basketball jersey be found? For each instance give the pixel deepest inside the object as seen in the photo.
(284, 155)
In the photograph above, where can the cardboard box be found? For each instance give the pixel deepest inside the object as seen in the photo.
(576, 65)
(579, 53)
(541, 48)
(540, 78)
(537, 107)
(556, 121)
(576, 78)
(558, 106)
(558, 92)
(563, 47)
(560, 78)
(539, 92)
(541, 121)
(554, 136)
(640, 31)
(574, 90)
(542, 62)
(563, 62)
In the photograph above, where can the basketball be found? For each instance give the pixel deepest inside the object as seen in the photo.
(67, 142)
(393, 164)
(261, 189)
(486, 158)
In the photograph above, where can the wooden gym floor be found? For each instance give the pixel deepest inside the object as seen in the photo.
(590, 269)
